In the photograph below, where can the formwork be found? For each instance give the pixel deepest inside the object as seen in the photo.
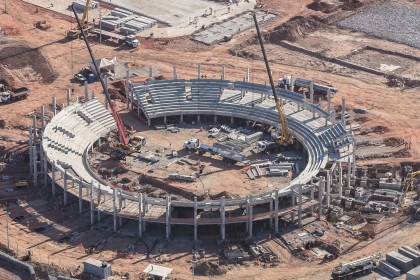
(411, 255)
(402, 262)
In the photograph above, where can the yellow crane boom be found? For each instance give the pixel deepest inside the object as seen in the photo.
(408, 186)
(76, 32)
(285, 138)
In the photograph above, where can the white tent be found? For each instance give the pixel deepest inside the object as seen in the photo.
(104, 64)
(157, 270)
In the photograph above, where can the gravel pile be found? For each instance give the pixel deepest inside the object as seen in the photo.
(389, 20)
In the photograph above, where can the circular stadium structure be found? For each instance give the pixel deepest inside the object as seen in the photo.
(73, 132)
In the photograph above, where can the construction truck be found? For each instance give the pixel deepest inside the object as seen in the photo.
(129, 40)
(230, 156)
(285, 137)
(134, 145)
(355, 268)
(85, 26)
(267, 146)
(8, 96)
(408, 186)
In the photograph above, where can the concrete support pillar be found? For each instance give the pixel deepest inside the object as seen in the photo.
(65, 187)
(320, 102)
(247, 75)
(223, 72)
(340, 180)
(223, 217)
(276, 210)
(198, 119)
(168, 217)
(271, 210)
(353, 173)
(293, 204)
(195, 218)
(312, 198)
(198, 71)
(68, 96)
(328, 189)
(53, 178)
(132, 101)
(140, 198)
(175, 77)
(34, 130)
(31, 153)
(328, 100)
(311, 92)
(80, 195)
(42, 118)
(54, 106)
(232, 120)
(127, 88)
(44, 159)
(292, 84)
(300, 207)
(35, 164)
(348, 171)
(150, 73)
(86, 91)
(114, 201)
(321, 190)
(343, 111)
(181, 118)
(215, 118)
(164, 120)
(92, 206)
(98, 195)
(250, 215)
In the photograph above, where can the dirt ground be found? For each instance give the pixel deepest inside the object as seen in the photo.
(396, 108)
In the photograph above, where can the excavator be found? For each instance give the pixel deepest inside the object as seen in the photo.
(76, 32)
(284, 137)
(408, 186)
(126, 145)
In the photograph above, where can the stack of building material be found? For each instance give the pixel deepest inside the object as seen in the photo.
(121, 13)
(413, 274)
(400, 261)
(253, 137)
(389, 269)
(140, 23)
(81, 4)
(410, 253)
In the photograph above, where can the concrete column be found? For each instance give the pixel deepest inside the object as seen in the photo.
(354, 159)
(35, 165)
(68, 93)
(312, 197)
(276, 209)
(127, 87)
(45, 169)
(86, 91)
(53, 178)
(35, 142)
(247, 75)
(140, 198)
(65, 187)
(114, 201)
(98, 195)
(31, 153)
(42, 118)
(92, 206)
(198, 119)
(340, 180)
(132, 101)
(300, 207)
(164, 120)
(181, 118)
(328, 188)
(311, 92)
(223, 72)
(54, 106)
(250, 215)
(175, 77)
(80, 195)
(328, 100)
(168, 216)
(195, 218)
(321, 190)
(293, 204)
(215, 118)
(271, 210)
(348, 172)
(320, 102)
(150, 73)
(232, 120)
(223, 217)
(343, 111)
(292, 84)
(198, 71)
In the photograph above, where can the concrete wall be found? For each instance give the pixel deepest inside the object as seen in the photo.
(18, 264)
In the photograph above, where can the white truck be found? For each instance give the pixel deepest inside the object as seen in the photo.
(355, 268)
(267, 146)
(129, 40)
(8, 96)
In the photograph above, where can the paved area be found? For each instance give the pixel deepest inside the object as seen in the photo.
(389, 20)
(217, 32)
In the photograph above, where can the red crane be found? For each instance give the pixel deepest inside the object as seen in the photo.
(121, 129)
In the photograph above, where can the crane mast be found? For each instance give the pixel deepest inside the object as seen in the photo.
(121, 129)
(408, 186)
(285, 138)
